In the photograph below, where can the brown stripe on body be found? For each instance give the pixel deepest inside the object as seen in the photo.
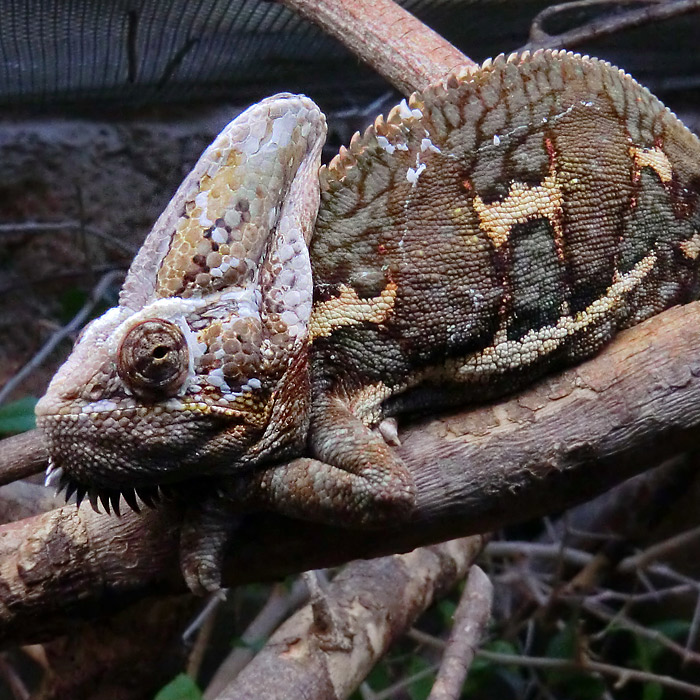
(538, 345)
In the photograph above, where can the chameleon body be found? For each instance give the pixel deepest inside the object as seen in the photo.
(502, 223)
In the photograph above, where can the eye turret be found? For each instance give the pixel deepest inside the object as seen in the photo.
(153, 359)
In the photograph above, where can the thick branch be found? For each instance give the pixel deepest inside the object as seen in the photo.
(392, 41)
(561, 442)
(373, 604)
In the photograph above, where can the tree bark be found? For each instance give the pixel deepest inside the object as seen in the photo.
(373, 604)
(392, 41)
(569, 437)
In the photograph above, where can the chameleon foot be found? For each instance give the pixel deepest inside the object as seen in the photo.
(205, 534)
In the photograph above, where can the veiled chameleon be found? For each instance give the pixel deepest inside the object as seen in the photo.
(500, 224)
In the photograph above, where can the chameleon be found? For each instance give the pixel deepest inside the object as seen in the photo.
(504, 222)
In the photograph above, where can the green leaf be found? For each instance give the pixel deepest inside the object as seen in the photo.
(420, 687)
(18, 416)
(563, 644)
(71, 301)
(575, 684)
(652, 691)
(446, 609)
(673, 629)
(181, 687)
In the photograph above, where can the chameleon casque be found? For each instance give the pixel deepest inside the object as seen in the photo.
(504, 222)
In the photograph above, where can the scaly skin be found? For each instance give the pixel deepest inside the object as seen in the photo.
(503, 223)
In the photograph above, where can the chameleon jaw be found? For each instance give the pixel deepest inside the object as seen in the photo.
(56, 476)
(89, 456)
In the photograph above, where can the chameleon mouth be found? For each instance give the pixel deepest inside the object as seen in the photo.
(149, 496)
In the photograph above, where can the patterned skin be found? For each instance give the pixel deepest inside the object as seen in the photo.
(501, 224)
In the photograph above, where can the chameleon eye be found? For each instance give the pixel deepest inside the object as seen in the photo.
(153, 358)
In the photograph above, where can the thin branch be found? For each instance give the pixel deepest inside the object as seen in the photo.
(470, 620)
(73, 326)
(655, 596)
(201, 644)
(623, 675)
(518, 549)
(22, 456)
(395, 688)
(13, 680)
(604, 26)
(660, 550)
(619, 619)
(43, 227)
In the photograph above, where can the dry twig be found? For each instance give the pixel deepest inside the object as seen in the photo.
(655, 12)
(622, 675)
(470, 620)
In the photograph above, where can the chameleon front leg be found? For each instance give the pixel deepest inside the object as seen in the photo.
(354, 477)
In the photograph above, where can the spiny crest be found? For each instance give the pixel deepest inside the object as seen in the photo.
(386, 135)
(390, 134)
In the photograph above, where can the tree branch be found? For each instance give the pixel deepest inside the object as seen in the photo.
(470, 620)
(374, 603)
(22, 456)
(392, 41)
(569, 437)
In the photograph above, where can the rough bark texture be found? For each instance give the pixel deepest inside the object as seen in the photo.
(408, 54)
(566, 439)
(22, 455)
(373, 604)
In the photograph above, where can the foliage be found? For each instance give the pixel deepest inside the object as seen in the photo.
(182, 687)
(18, 416)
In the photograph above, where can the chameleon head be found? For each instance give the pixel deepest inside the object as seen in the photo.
(201, 369)
(178, 390)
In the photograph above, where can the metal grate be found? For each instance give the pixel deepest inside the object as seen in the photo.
(153, 51)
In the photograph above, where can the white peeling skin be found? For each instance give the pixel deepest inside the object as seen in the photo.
(427, 145)
(286, 279)
(385, 144)
(259, 151)
(412, 174)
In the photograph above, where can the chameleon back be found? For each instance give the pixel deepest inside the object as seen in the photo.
(506, 222)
